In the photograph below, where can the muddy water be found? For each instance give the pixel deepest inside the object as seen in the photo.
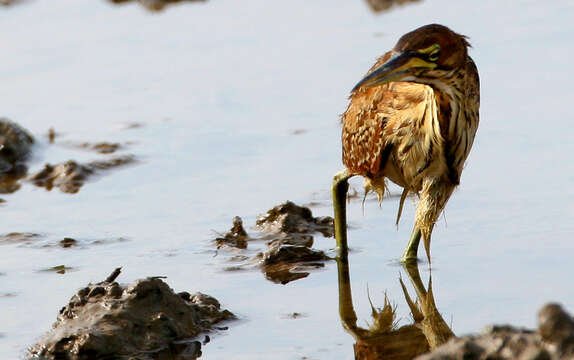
(231, 108)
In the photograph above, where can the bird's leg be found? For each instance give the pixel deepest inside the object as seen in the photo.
(410, 254)
(339, 193)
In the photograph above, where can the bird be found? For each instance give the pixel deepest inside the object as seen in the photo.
(411, 119)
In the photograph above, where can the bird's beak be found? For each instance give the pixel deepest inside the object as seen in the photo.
(397, 68)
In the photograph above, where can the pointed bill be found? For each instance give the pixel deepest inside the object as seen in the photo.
(398, 68)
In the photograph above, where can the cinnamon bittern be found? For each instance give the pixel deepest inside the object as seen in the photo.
(412, 119)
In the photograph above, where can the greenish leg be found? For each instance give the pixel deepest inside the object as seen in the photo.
(410, 254)
(339, 193)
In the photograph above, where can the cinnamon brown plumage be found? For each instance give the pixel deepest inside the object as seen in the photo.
(412, 120)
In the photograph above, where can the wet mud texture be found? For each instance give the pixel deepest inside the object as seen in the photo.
(154, 5)
(70, 176)
(384, 5)
(236, 237)
(288, 230)
(144, 320)
(293, 220)
(15, 147)
(554, 340)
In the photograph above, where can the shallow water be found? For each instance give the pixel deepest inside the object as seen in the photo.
(238, 104)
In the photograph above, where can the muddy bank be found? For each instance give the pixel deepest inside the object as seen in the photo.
(143, 320)
(287, 230)
(553, 340)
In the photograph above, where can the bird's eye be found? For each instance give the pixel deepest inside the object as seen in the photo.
(433, 56)
(431, 53)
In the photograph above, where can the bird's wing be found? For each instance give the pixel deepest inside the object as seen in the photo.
(391, 119)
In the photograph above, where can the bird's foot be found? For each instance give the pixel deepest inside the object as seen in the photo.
(409, 258)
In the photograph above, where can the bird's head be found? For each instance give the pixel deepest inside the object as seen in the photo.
(422, 55)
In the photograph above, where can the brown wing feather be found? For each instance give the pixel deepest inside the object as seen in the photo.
(392, 121)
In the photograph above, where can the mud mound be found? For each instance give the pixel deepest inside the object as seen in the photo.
(144, 320)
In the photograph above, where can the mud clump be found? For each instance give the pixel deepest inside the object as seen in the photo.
(24, 238)
(58, 269)
(290, 254)
(15, 145)
(556, 326)
(288, 218)
(154, 5)
(144, 320)
(236, 237)
(383, 5)
(68, 242)
(278, 252)
(554, 340)
(287, 230)
(70, 176)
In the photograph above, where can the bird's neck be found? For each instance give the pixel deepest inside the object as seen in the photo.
(457, 97)
(449, 95)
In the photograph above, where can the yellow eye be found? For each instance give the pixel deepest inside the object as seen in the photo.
(433, 56)
(432, 52)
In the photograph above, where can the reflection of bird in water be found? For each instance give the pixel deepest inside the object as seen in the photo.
(385, 339)
(411, 119)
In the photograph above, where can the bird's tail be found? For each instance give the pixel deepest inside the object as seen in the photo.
(379, 186)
